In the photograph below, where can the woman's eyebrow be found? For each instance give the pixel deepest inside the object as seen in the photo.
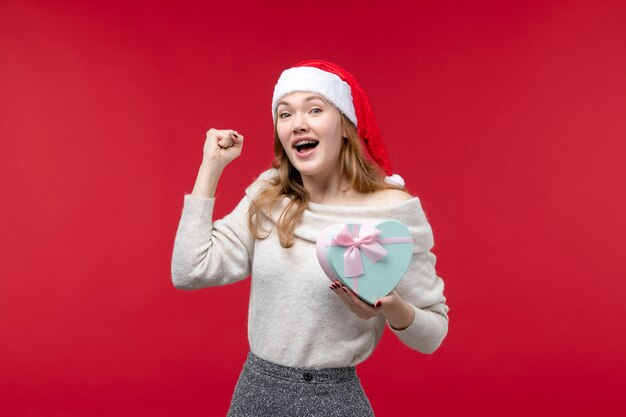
(309, 98)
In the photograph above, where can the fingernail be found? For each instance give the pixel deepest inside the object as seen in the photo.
(344, 289)
(378, 304)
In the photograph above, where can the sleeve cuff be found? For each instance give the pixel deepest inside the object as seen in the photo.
(198, 204)
(424, 333)
(197, 213)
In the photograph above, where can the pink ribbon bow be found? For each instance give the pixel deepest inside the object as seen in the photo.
(366, 241)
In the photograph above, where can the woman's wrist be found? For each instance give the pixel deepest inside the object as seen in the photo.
(206, 181)
(399, 315)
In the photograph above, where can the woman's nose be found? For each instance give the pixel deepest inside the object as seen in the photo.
(299, 122)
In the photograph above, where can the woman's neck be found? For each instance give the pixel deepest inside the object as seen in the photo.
(330, 189)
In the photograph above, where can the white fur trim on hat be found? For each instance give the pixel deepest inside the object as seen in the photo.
(315, 80)
(395, 179)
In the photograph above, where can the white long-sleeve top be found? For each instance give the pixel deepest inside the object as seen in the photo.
(293, 318)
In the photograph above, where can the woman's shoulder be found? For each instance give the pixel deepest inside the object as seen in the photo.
(385, 197)
(392, 195)
(261, 182)
(268, 174)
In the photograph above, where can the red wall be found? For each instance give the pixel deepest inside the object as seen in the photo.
(508, 119)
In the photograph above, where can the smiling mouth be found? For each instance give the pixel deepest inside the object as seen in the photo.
(305, 145)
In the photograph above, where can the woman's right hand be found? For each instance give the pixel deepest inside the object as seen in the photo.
(221, 147)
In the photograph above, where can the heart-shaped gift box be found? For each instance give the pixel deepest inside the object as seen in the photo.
(370, 260)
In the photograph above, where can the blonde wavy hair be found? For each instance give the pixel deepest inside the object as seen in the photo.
(363, 176)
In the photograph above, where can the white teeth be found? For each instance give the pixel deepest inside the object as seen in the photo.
(305, 142)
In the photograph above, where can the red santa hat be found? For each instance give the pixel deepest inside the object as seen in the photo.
(342, 90)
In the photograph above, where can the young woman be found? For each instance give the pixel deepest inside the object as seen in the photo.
(305, 336)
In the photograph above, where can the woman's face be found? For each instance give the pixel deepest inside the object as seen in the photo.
(311, 132)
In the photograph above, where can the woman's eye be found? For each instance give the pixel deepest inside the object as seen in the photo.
(283, 114)
(313, 110)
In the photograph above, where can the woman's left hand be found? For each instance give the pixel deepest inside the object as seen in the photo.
(361, 308)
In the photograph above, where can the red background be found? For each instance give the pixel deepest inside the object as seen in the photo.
(506, 118)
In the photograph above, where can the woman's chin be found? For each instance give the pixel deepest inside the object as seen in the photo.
(316, 171)
(304, 167)
(315, 166)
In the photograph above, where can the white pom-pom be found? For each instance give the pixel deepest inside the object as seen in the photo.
(395, 179)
